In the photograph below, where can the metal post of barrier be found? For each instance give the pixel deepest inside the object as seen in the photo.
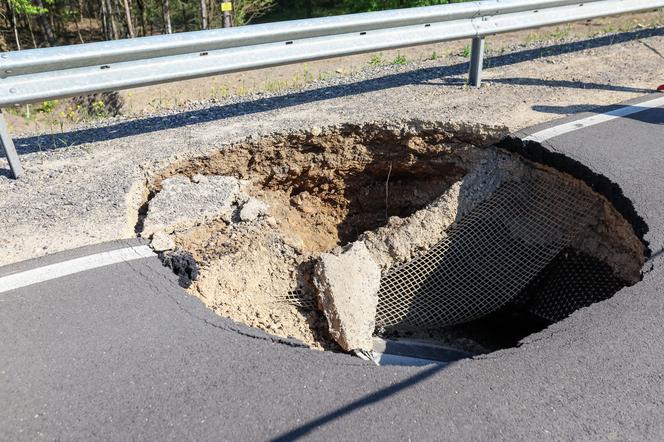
(476, 62)
(7, 144)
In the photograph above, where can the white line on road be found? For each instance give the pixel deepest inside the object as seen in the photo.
(595, 119)
(53, 271)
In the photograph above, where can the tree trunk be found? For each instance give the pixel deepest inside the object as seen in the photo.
(116, 16)
(104, 21)
(79, 19)
(130, 25)
(141, 13)
(78, 30)
(184, 16)
(45, 25)
(111, 16)
(204, 14)
(14, 26)
(32, 33)
(55, 25)
(211, 10)
(166, 9)
(7, 19)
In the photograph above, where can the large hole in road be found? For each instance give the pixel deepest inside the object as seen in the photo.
(421, 231)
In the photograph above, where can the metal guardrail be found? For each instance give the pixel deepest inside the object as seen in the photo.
(50, 73)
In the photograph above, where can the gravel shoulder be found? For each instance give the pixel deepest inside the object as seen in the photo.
(86, 186)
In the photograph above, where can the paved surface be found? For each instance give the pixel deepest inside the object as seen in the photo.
(122, 352)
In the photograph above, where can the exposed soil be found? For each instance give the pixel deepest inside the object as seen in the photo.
(329, 187)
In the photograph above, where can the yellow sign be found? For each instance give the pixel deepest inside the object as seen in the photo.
(226, 6)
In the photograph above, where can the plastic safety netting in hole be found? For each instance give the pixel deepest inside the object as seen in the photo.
(487, 258)
(571, 281)
(298, 298)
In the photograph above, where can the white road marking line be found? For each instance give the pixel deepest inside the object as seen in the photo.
(595, 119)
(53, 271)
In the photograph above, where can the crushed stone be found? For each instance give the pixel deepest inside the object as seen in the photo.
(252, 209)
(162, 242)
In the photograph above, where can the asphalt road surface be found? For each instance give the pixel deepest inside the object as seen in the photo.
(102, 343)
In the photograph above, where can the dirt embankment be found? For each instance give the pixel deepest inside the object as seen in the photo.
(249, 253)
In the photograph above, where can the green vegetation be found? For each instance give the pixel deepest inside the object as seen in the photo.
(47, 107)
(376, 60)
(297, 9)
(38, 23)
(399, 60)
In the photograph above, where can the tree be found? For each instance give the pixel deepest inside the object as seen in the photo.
(247, 10)
(45, 24)
(130, 25)
(14, 26)
(204, 14)
(105, 21)
(49, 22)
(25, 7)
(379, 5)
(141, 14)
(166, 10)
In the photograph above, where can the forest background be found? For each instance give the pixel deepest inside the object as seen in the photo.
(28, 24)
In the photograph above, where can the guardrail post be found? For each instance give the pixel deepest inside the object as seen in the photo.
(476, 62)
(7, 145)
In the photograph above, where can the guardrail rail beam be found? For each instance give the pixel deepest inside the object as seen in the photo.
(35, 75)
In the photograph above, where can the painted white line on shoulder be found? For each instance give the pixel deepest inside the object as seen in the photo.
(595, 119)
(72, 266)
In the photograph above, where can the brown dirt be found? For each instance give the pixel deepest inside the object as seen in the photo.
(327, 187)
(330, 188)
(323, 190)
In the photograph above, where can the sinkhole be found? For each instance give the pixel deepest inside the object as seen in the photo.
(342, 237)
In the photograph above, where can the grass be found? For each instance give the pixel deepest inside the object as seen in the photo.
(560, 33)
(48, 106)
(399, 60)
(376, 60)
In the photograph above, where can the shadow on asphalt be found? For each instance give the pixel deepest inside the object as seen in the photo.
(548, 83)
(422, 76)
(367, 400)
(653, 116)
